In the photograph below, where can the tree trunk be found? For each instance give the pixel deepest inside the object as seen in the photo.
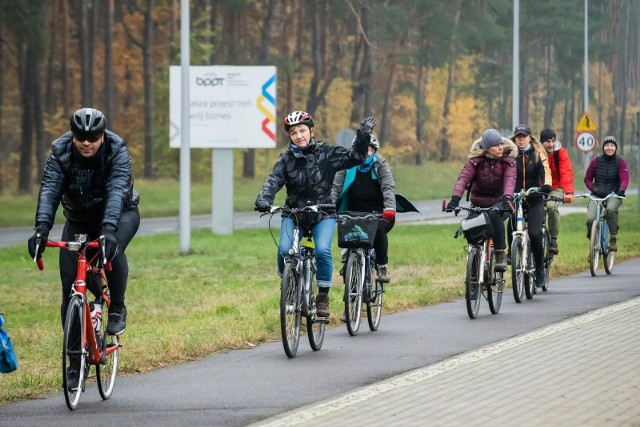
(29, 74)
(149, 172)
(109, 87)
(388, 98)
(2, 59)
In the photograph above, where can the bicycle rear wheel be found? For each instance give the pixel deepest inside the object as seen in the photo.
(472, 282)
(608, 257)
(107, 369)
(290, 313)
(74, 357)
(315, 330)
(518, 272)
(594, 248)
(353, 293)
(495, 286)
(374, 305)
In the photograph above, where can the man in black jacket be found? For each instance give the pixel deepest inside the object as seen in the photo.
(89, 172)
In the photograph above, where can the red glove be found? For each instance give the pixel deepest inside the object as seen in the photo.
(388, 215)
(568, 198)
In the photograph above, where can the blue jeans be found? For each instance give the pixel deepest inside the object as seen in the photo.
(322, 237)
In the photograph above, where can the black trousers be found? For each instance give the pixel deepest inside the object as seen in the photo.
(117, 277)
(381, 242)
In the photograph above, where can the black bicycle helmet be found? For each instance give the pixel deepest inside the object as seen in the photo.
(297, 118)
(88, 121)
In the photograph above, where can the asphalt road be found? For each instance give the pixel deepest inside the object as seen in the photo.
(430, 213)
(244, 386)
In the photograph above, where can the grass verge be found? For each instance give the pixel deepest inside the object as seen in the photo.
(224, 295)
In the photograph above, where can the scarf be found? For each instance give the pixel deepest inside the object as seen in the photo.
(366, 165)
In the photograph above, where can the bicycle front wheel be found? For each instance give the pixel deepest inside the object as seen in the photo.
(529, 280)
(608, 257)
(495, 286)
(518, 272)
(315, 330)
(547, 259)
(107, 369)
(594, 248)
(353, 293)
(472, 282)
(374, 305)
(290, 310)
(74, 361)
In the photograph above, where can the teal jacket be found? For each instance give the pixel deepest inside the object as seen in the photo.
(380, 172)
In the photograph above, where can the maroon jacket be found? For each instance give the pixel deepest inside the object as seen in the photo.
(491, 178)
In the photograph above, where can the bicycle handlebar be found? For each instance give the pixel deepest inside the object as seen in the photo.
(72, 246)
(319, 208)
(599, 199)
(475, 209)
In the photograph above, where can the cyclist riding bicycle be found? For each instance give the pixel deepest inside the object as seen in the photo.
(369, 187)
(561, 183)
(532, 171)
(89, 172)
(308, 168)
(607, 173)
(490, 176)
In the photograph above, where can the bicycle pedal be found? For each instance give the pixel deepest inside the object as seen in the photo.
(324, 320)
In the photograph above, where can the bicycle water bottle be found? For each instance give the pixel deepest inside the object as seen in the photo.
(96, 315)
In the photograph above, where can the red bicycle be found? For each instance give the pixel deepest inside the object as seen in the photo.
(85, 341)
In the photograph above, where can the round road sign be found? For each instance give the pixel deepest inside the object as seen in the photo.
(586, 141)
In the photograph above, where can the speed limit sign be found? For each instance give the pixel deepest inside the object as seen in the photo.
(586, 141)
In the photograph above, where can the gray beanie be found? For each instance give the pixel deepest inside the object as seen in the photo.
(490, 138)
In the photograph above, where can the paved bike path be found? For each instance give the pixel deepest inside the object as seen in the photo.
(583, 371)
(486, 365)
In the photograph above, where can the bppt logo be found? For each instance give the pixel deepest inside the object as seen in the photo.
(209, 80)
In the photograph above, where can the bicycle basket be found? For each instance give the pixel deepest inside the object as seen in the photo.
(476, 228)
(356, 229)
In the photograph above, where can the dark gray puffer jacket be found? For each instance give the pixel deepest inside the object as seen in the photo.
(308, 173)
(92, 191)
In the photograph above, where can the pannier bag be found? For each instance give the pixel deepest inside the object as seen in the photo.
(476, 228)
(8, 361)
(356, 229)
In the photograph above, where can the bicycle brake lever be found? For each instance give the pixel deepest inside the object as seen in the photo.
(103, 249)
(38, 241)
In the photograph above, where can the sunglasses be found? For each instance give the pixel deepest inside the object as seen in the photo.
(91, 137)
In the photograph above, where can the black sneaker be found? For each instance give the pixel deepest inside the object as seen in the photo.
(501, 261)
(508, 258)
(73, 378)
(540, 277)
(117, 321)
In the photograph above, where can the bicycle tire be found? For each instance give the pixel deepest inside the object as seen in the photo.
(374, 305)
(608, 257)
(473, 292)
(495, 286)
(547, 259)
(290, 310)
(594, 248)
(529, 281)
(353, 293)
(517, 270)
(73, 355)
(315, 330)
(107, 369)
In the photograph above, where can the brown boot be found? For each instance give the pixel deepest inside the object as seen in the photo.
(613, 247)
(322, 305)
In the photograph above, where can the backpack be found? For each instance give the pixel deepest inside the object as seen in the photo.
(8, 360)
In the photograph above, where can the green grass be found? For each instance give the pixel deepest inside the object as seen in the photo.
(161, 198)
(225, 294)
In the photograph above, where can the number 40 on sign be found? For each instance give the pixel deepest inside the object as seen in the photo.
(586, 141)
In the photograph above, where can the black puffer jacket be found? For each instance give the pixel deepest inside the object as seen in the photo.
(308, 173)
(92, 190)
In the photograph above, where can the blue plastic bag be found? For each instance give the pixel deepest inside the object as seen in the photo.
(8, 360)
